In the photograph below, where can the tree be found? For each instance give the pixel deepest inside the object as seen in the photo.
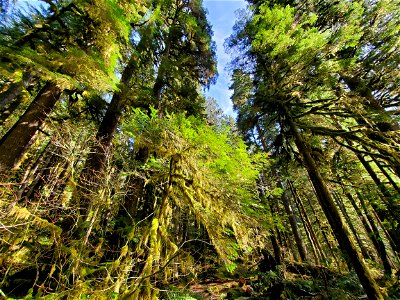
(203, 171)
(179, 40)
(52, 47)
(293, 76)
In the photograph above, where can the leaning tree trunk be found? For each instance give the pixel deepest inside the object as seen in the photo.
(378, 182)
(97, 158)
(17, 140)
(385, 173)
(15, 89)
(340, 229)
(323, 232)
(7, 112)
(372, 231)
(346, 216)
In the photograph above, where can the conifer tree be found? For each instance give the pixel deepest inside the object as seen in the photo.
(177, 42)
(53, 46)
(297, 54)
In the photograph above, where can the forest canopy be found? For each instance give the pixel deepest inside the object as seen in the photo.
(120, 179)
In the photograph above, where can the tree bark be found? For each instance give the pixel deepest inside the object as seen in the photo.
(95, 163)
(281, 238)
(275, 244)
(15, 89)
(293, 224)
(340, 230)
(308, 226)
(6, 113)
(373, 233)
(17, 140)
(324, 234)
(384, 172)
(341, 206)
(393, 209)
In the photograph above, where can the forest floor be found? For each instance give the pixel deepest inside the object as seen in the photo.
(296, 282)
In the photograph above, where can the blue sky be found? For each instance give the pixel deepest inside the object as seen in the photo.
(221, 15)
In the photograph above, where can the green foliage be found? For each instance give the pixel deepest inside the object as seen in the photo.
(60, 51)
(213, 174)
(173, 293)
(174, 184)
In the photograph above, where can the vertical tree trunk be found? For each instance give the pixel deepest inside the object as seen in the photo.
(275, 244)
(324, 234)
(293, 223)
(281, 237)
(307, 225)
(289, 247)
(17, 140)
(276, 248)
(340, 230)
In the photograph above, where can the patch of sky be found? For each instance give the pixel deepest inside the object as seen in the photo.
(221, 15)
(26, 4)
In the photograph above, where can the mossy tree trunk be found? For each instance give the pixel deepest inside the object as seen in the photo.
(15, 143)
(96, 160)
(385, 172)
(308, 226)
(326, 201)
(293, 224)
(346, 216)
(324, 231)
(373, 232)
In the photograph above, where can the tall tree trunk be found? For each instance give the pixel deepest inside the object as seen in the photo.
(41, 177)
(323, 232)
(340, 230)
(393, 209)
(281, 238)
(308, 226)
(293, 223)
(392, 234)
(15, 89)
(277, 248)
(387, 199)
(357, 85)
(384, 229)
(17, 140)
(7, 112)
(341, 206)
(97, 158)
(384, 172)
(373, 233)
(275, 244)
(31, 169)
